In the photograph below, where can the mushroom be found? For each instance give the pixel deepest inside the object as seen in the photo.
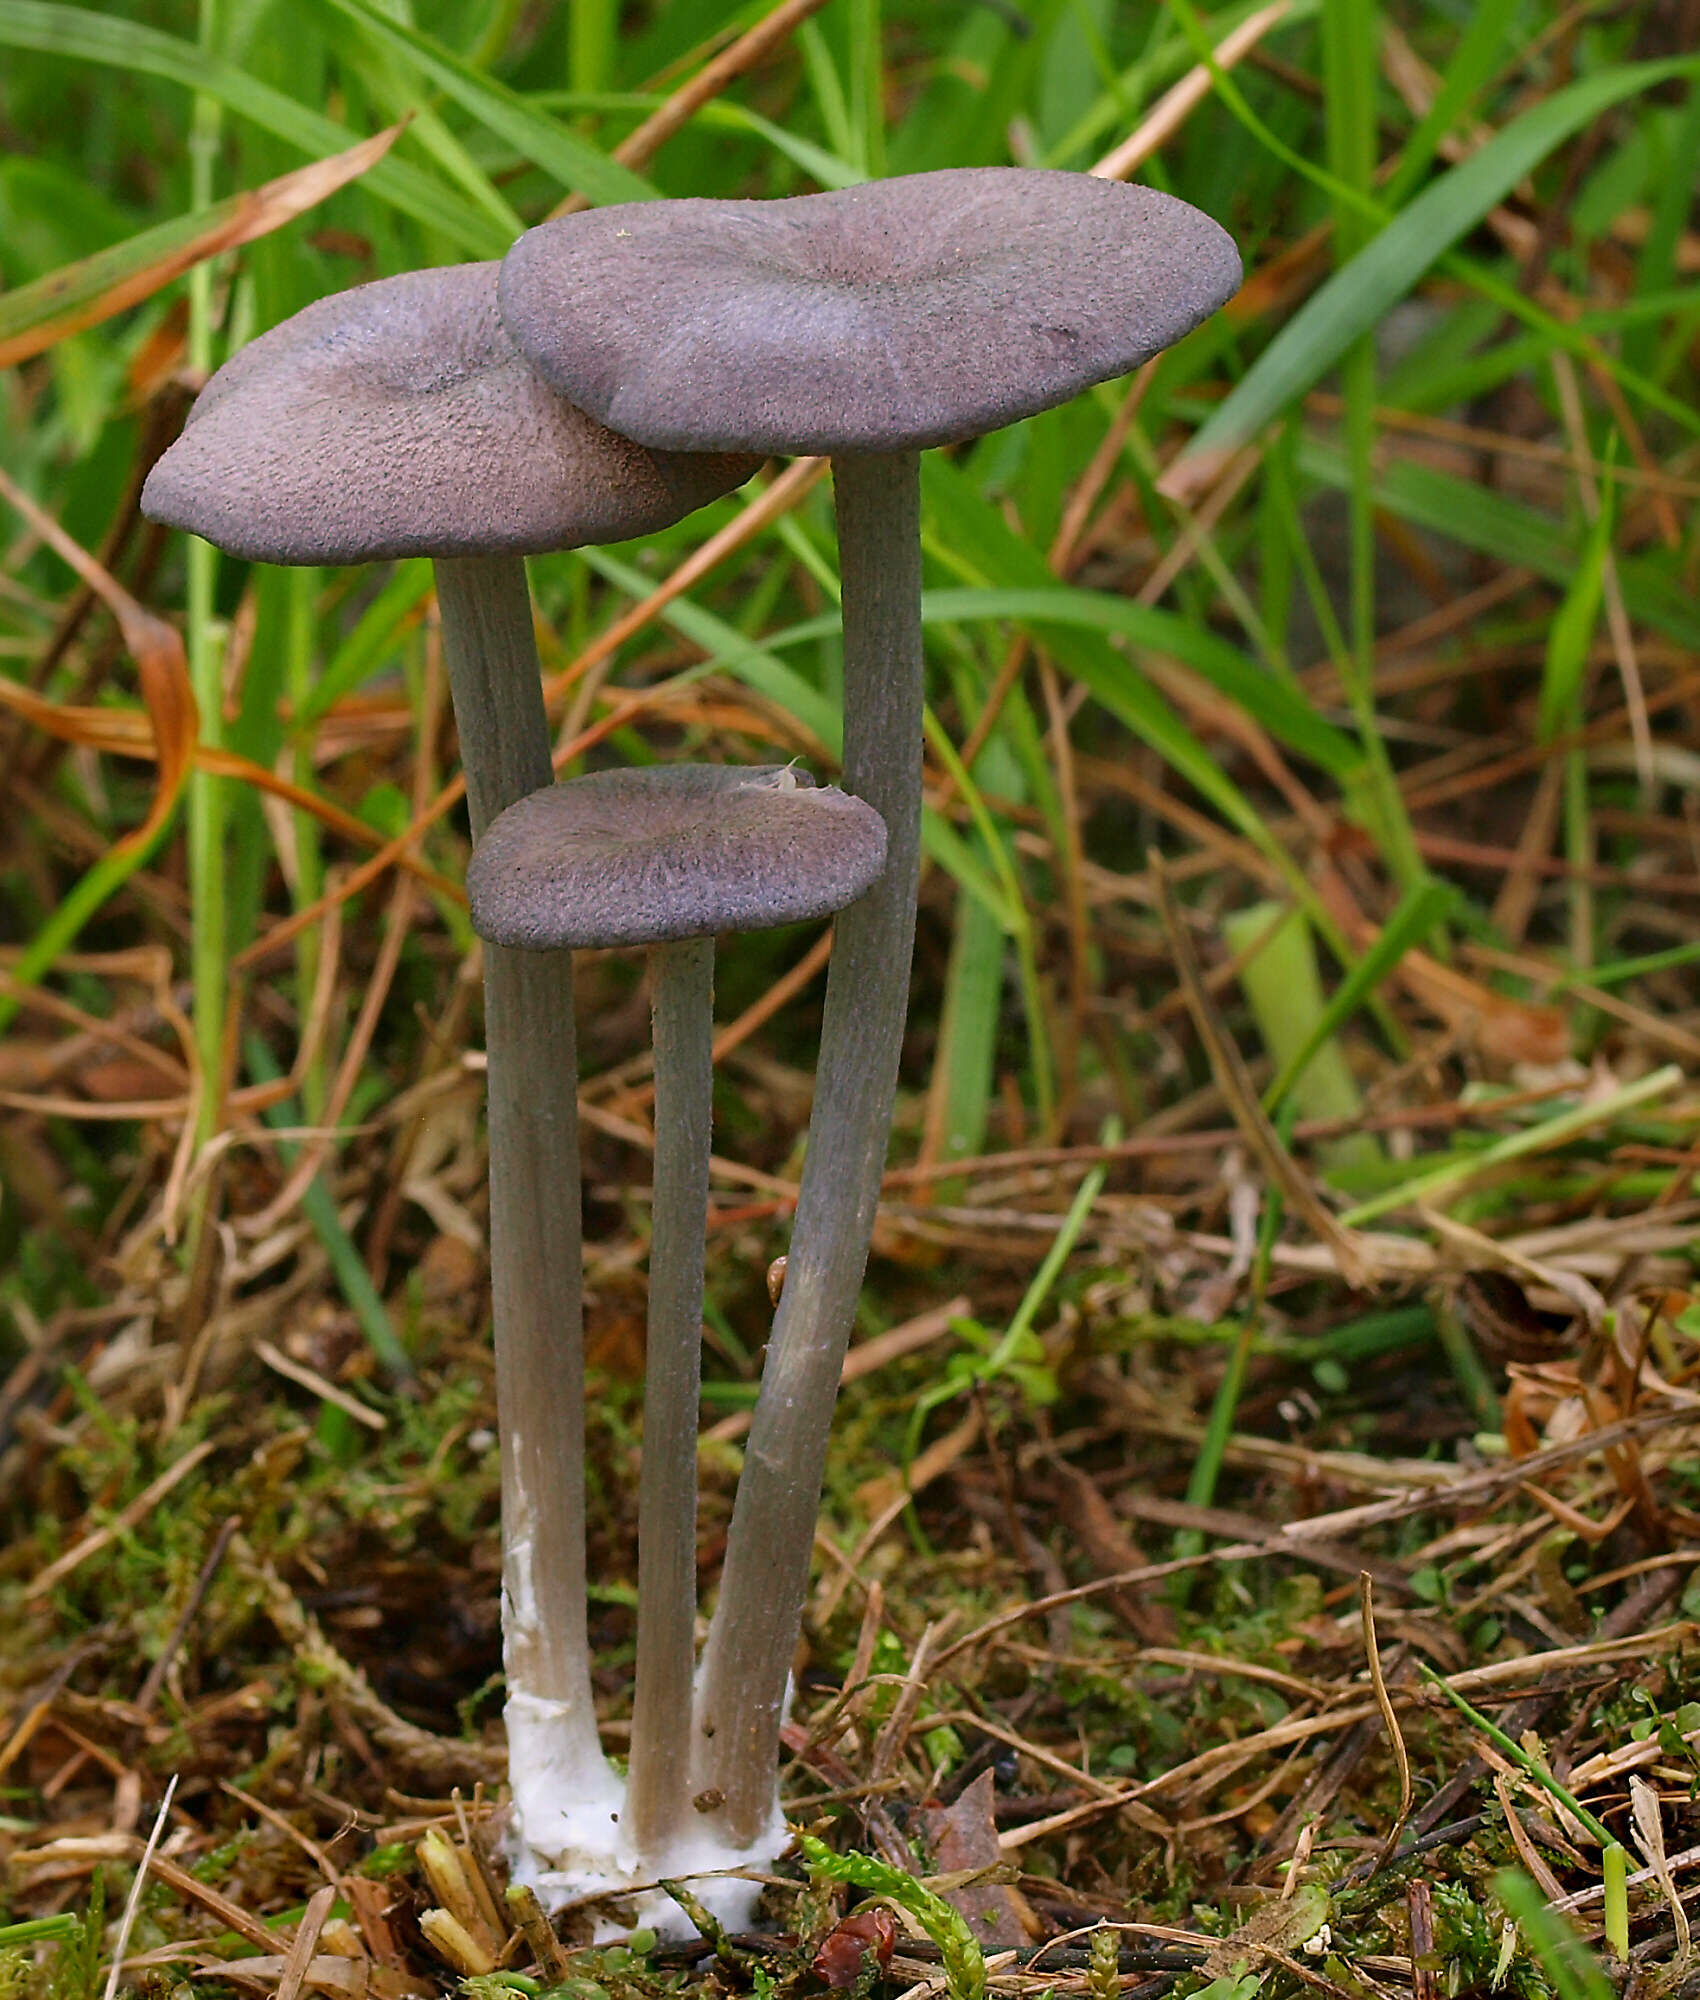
(397, 419)
(868, 324)
(666, 857)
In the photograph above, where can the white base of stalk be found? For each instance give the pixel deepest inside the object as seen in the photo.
(565, 1842)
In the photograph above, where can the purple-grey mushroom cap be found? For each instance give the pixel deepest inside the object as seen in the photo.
(649, 856)
(398, 419)
(893, 316)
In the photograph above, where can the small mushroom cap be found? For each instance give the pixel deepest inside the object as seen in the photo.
(889, 317)
(398, 419)
(641, 857)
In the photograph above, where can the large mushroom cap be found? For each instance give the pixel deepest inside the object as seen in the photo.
(397, 419)
(890, 317)
(641, 857)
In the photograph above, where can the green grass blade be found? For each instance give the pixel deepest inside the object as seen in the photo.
(560, 152)
(730, 652)
(832, 106)
(1530, 1765)
(1488, 25)
(319, 1207)
(1276, 704)
(1623, 969)
(942, 844)
(1282, 986)
(103, 879)
(1351, 80)
(39, 1930)
(1421, 911)
(393, 612)
(1673, 197)
(1213, 1446)
(1050, 1269)
(1570, 1967)
(1513, 533)
(965, 1061)
(206, 806)
(1357, 297)
(77, 33)
(828, 168)
(432, 135)
(867, 86)
(1117, 110)
(593, 35)
(82, 291)
(1571, 635)
(993, 844)
(1539, 1138)
(1614, 1869)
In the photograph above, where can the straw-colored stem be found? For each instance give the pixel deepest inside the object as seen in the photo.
(535, 1264)
(754, 1630)
(658, 1787)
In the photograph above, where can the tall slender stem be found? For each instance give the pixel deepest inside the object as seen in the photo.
(535, 1260)
(301, 597)
(658, 1784)
(754, 1630)
(208, 950)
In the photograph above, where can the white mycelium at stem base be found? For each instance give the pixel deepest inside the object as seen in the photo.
(398, 420)
(868, 323)
(554, 1752)
(663, 858)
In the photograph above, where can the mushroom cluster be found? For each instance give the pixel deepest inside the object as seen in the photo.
(398, 419)
(666, 858)
(868, 324)
(629, 364)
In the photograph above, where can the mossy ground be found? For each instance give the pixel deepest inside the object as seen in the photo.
(1089, 1642)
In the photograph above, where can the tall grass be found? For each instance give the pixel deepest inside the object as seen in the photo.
(1372, 162)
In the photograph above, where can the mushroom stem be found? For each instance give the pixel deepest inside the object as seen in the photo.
(657, 1806)
(754, 1631)
(490, 650)
(535, 1261)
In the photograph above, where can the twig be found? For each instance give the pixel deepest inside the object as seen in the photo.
(1384, 1701)
(647, 140)
(121, 1523)
(133, 1902)
(299, 1957)
(1180, 100)
(869, 1355)
(148, 1693)
(1236, 1086)
(780, 497)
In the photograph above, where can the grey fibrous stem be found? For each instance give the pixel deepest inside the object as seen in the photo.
(490, 652)
(658, 1788)
(754, 1630)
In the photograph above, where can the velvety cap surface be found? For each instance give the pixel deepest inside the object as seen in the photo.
(674, 851)
(905, 313)
(398, 419)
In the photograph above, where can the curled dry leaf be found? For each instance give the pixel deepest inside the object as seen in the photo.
(128, 732)
(963, 1841)
(162, 669)
(1505, 1030)
(843, 1951)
